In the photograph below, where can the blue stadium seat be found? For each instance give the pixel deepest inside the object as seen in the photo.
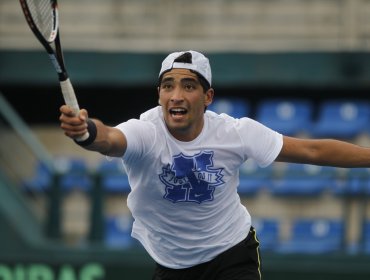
(235, 107)
(314, 236)
(113, 178)
(289, 117)
(355, 183)
(41, 179)
(253, 178)
(267, 233)
(341, 119)
(74, 174)
(302, 180)
(366, 234)
(118, 231)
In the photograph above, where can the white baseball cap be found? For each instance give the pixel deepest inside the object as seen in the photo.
(199, 63)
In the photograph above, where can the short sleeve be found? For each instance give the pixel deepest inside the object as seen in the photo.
(261, 143)
(140, 136)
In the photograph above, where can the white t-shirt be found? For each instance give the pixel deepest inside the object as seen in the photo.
(183, 195)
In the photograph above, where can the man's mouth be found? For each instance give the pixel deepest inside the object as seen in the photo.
(178, 111)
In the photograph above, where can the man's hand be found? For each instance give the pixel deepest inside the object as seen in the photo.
(73, 126)
(104, 139)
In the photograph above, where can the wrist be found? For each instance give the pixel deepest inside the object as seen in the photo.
(92, 130)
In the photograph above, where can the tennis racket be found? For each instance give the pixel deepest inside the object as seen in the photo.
(42, 17)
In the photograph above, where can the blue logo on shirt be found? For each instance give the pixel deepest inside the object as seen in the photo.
(191, 178)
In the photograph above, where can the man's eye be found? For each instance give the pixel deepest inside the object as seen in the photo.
(166, 86)
(189, 87)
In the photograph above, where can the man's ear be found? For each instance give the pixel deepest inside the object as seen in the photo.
(209, 96)
(159, 100)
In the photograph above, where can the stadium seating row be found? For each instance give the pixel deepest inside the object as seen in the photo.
(307, 236)
(290, 179)
(74, 174)
(280, 179)
(333, 118)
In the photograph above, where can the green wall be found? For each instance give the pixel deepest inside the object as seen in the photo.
(229, 69)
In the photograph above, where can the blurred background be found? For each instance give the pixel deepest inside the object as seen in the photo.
(301, 67)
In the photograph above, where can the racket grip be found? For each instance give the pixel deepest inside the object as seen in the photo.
(71, 100)
(69, 96)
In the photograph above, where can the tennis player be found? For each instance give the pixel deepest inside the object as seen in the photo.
(182, 163)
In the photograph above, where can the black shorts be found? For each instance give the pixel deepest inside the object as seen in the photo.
(240, 262)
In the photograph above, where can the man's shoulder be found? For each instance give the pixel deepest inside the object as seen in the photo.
(228, 122)
(219, 117)
(152, 115)
(147, 120)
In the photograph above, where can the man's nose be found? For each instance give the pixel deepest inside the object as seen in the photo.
(177, 95)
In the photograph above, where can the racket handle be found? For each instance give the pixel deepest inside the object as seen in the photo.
(71, 100)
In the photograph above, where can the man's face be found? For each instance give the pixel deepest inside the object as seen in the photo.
(183, 101)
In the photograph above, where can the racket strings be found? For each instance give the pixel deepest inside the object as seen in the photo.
(44, 17)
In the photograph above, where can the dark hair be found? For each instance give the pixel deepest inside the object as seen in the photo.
(187, 58)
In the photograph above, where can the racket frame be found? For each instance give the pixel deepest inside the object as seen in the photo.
(56, 56)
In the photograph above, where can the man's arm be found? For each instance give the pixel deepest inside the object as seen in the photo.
(324, 152)
(109, 141)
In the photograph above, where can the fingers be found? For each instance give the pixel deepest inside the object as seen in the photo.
(66, 110)
(73, 126)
